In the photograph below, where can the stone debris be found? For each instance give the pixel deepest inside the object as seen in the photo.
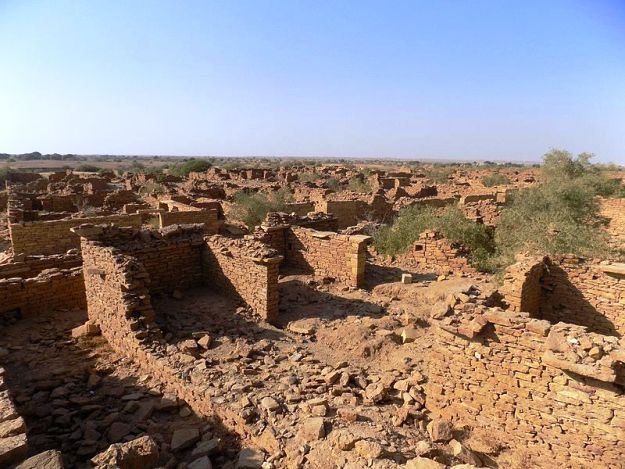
(144, 326)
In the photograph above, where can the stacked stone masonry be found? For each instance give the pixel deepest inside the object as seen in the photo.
(209, 218)
(54, 237)
(327, 254)
(13, 443)
(119, 302)
(51, 290)
(433, 253)
(614, 211)
(245, 269)
(504, 377)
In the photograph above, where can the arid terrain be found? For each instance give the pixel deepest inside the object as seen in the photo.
(312, 314)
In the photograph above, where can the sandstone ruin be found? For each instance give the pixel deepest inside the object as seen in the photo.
(143, 326)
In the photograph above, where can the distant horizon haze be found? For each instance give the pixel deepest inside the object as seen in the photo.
(456, 81)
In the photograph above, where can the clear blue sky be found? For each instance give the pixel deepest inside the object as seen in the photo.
(497, 79)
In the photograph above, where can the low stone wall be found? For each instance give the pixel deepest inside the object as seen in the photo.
(13, 444)
(171, 257)
(522, 285)
(553, 392)
(119, 302)
(51, 290)
(614, 210)
(209, 218)
(244, 269)
(31, 266)
(432, 253)
(347, 212)
(54, 237)
(585, 293)
(568, 289)
(327, 254)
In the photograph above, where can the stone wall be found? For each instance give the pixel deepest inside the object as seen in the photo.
(347, 212)
(209, 218)
(54, 237)
(119, 302)
(552, 392)
(171, 256)
(51, 290)
(31, 266)
(244, 269)
(568, 289)
(433, 253)
(585, 293)
(13, 443)
(614, 210)
(327, 254)
(522, 285)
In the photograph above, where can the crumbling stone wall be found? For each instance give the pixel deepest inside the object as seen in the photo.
(171, 257)
(31, 266)
(13, 443)
(119, 302)
(433, 253)
(245, 269)
(537, 384)
(348, 212)
(568, 289)
(614, 210)
(585, 293)
(327, 254)
(209, 218)
(54, 237)
(51, 290)
(522, 285)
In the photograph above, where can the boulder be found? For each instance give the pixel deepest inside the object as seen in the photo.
(140, 453)
(50, 459)
(440, 430)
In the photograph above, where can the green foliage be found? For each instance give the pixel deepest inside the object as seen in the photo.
(558, 164)
(88, 168)
(151, 187)
(495, 179)
(333, 184)
(439, 174)
(252, 209)
(555, 218)
(4, 175)
(451, 223)
(307, 177)
(358, 185)
(191, 166)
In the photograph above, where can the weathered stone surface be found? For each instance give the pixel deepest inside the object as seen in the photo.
(250, 458)
(312, 429)
(184, 438)
(423, 463)
(440, 430)
(50, 459)
(140, 453)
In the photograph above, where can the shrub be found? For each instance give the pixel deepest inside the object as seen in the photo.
(495, 179)
(87, 168)
(439, 174)
(151, 187)
(191, 166)
(555, 218)
(358, 185)
(307, 177)
(252, 209)
(333, 184)
(451, 223)
(4, 175)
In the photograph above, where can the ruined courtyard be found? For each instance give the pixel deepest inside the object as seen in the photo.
(145, 324)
